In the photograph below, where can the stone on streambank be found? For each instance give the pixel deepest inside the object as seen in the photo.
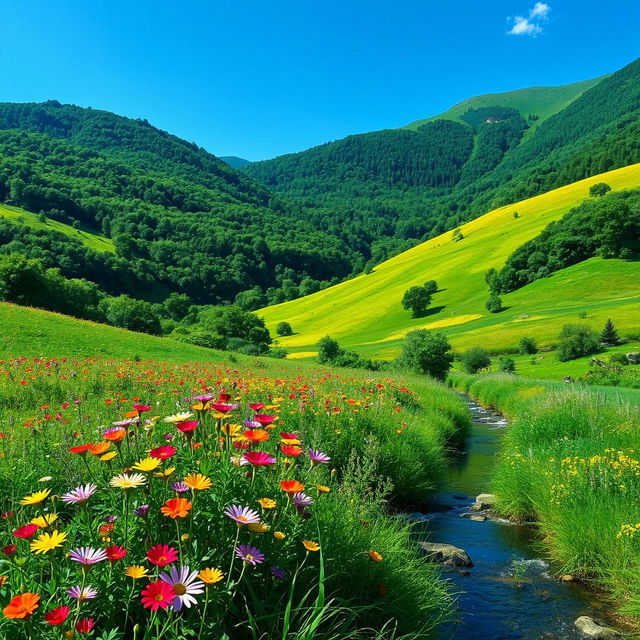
(591, 628)
(484, 502)
(446, 554)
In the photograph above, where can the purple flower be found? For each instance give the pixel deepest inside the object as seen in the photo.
(142, 511)
(185, 583)
(125, 423)
(278, 572)
(318, 457)
(205, 397)
(110, 519)
(242, 515)
(251, 424)
(249, 554)
(80, 593)
(180, 487)
(301, 500)
(80, 494)
(88, 555)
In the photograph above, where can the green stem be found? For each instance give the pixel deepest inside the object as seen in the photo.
(233, 554)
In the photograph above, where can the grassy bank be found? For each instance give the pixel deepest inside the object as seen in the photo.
(386, 440)
(570, 460)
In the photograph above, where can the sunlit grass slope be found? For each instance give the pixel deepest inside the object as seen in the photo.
(92, 240)
(540, 101)
(365, 313)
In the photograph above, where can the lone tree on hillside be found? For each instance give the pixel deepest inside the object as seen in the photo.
(284, 329)
(431, 286)
(599, 189)
(328, 350)
(417, 299)
(494, 303)
(528, 346)
(457, 235)
(475, 359)
(609, 335)
(427, 352)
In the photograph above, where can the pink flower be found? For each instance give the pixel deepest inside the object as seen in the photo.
(258, 458)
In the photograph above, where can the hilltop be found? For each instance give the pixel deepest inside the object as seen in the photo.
(365, 313)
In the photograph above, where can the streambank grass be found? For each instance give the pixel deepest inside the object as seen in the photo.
(570, 461)
(386, 439)
(365, 314)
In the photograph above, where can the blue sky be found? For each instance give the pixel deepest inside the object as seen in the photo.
(258, 79)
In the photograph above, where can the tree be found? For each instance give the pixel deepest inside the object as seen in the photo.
(599, 189)
(576, 341)
(506, 365)
(284, 329)
(328, 350)
(609, 335)
(427, 352)
(431, 286)
(232, 322)
(417, 299)
(177, 305)
(528, 346)
(494, 303)
(475, 359)
(132, 314)
(457, 235)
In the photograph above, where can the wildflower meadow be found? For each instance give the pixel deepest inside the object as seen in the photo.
(148, 500)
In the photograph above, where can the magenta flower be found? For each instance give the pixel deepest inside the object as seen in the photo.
(318, 457)
(82, 593)
(185, 583)
(204, 398)
(125, 423)
(258, 458)
(80, 494)
(142, 511)
(249, 554)
(242, 515)
(88, 555)
(180, 487)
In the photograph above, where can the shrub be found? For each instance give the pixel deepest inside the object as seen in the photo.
(576, 341)
(417, 299)
(475, 359)
(328, 350)
(284, 329)
(599, 189)
(135, 315)
(506, 365)
(431, 286)
(528, 346)
(427, 352)
(618, 358)
(494, 303)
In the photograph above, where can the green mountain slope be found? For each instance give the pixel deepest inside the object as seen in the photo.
(542, 102)
(234, 161)
(365, 313)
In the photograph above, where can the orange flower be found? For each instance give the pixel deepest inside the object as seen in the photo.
(176, 508)
(100, 448)
(256, 435)
(22, 606)
(115, 435)
(375, 556)
(291, 486)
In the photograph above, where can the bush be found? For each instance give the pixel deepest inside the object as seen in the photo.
(417, 299)
(494, 303)
(431, 286)
(528, 346)
(577, 341)
(233, 323)
(506, 365)
(599, 189)
(202, 338)
(475, 359)
(284, 329)
(328, 350)
(427, 352)
(619, 358)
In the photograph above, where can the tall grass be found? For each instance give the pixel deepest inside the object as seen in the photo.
(570, 461)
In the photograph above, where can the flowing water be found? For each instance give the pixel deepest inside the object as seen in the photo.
(490, 605)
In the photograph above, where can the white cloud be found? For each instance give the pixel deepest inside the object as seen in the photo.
(531, 25)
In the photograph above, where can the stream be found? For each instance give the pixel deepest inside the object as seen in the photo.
(489, 604)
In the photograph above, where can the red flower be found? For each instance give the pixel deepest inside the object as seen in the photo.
(57, 616)
(224, 397)
(288, 436)
(81, 449)
(187, 427)
(241, 445)
(221, 408)
(26, 531)
(141, 408)
(256, 406)
(85, 625)
(162, 555)
(162, 453)
(157, 595)
(115, 552)
(263, 419)
(291, 450)
(9, 550)
(259, 458)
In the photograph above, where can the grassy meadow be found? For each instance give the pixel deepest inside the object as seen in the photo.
(90, 239)
(570, 461)
(256, 489)
(365, 314)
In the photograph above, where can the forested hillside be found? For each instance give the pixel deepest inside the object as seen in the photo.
(370, 186)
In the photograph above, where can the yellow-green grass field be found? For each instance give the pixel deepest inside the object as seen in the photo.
(90, 239)
(365, 314)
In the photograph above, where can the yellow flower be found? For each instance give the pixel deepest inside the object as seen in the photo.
(211, 576)
(110, 455)
(290, 441)
(310, 545)
(136, 572)
(148, 464)
(164, 474)
(375, 556)
(197, 481)
(45, 520)
(126, 481)
(322, 489)
(259, 527)
(231, 429)
(48, 541)
(267, 503)
(278, 535)
(36, 498)
(179, 417)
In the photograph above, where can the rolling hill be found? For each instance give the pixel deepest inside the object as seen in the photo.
(365, 313)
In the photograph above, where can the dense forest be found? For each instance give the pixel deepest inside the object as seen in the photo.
(606, 226)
